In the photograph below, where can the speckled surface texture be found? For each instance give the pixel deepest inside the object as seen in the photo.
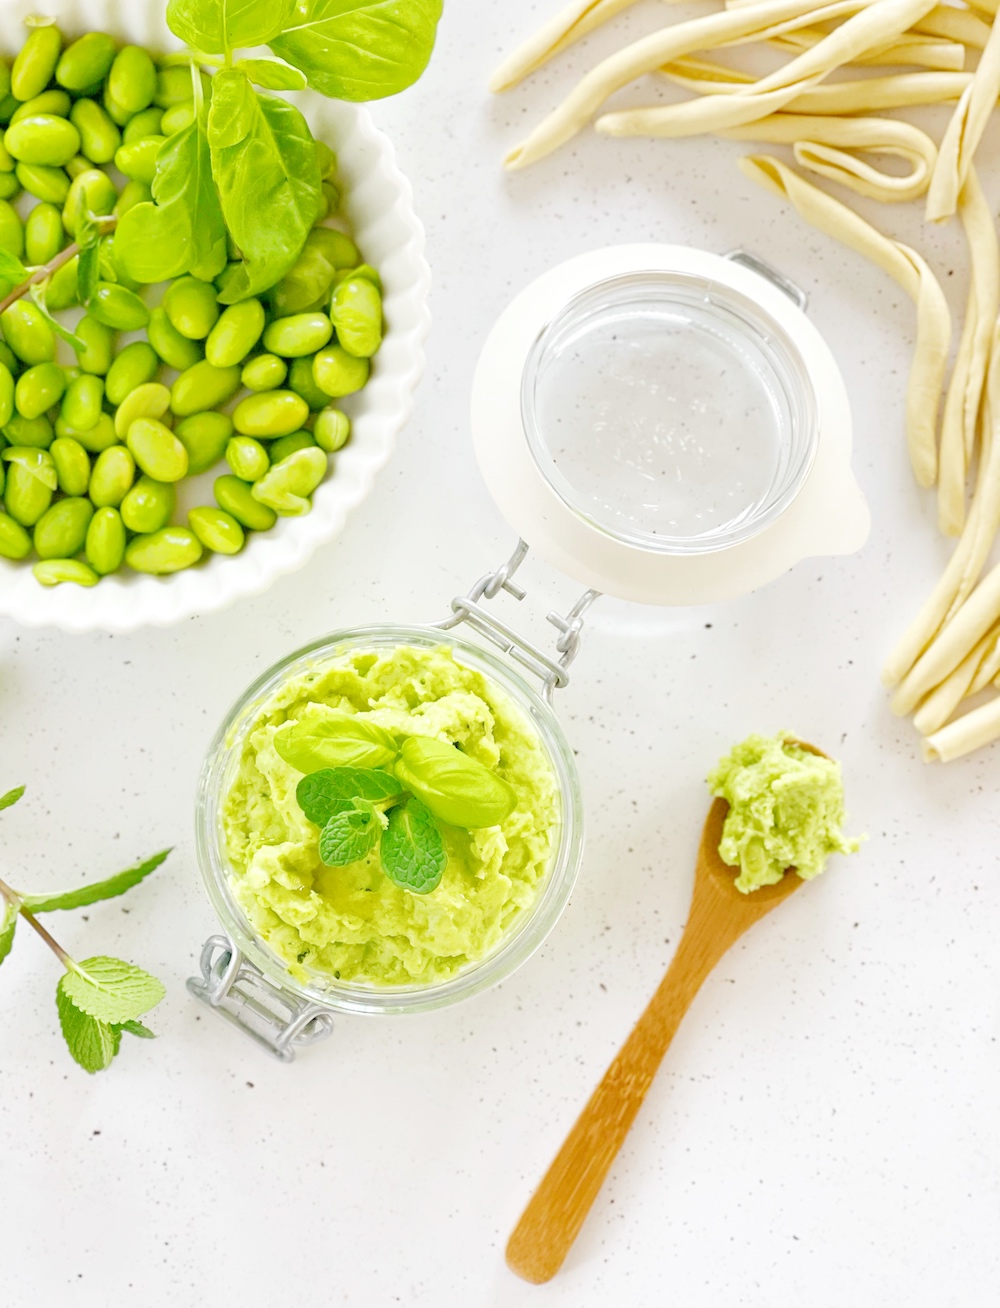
(824, 1131)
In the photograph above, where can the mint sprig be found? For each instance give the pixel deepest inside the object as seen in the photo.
(99, 999)
(413, 853)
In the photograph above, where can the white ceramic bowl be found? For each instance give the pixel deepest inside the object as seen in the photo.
(378, 206)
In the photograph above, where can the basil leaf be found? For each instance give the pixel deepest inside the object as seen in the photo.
(350, 835)
(338, 740)
(11, 797)
(360, 49)
(8, 925)
(184, 230)
(217, 25)
(12, 269)
(332, 790)
(413, 854)
(265, 166)
(454, 787)
(272, 75)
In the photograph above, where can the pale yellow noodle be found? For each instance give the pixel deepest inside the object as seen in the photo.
(866, 95)
(988, 669)
(955, 24)
(965, 131)
(918, 51)
(942, 702)
(964, 735)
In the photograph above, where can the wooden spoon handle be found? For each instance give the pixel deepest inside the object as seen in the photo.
(550, 1223)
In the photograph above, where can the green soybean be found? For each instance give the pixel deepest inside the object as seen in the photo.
(83, 402)
(112, 478)
(203, 387)
(168, 550)
(27, 333)
(72, 465)
(49, 102)
(150, 400)
(99, 342)
(179, 118)
(302, 380)
(10, 186)
(43, 139)
(133, 193)
(36, 433)
(15, 543)
(136, 365)
(339, 373)
(36, 62)
(7, 161)
(235, 334)
(326, 159)
(64, 289)
(105, 544)
(8, 107)
(332, 430)
(192, 307)
(206, 437)
(118, 307)
(235, 497)
(148, 123)
(43, 234)
(52, 572)
(99, 136)
(157, 450)
(298, 335)
(39, 389)
(77, 165)
(173, 86)
(247, 458)
(8, 358)
(31, 479)
(118, 115)
(96, 439)
(356, 313)
(138, 160)
(217, 530)
(338, 250)
(11, 230)
(48, 184)
(92, 192)
(6, 395)
(286, 445)
(86, 62)
(132, 80)
(175, 350)
(290, 483)
(271, 413)
(265, 373)
(62, 529)
(148, 505)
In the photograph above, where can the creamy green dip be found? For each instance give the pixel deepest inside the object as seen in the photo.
(786, 810)
(352, 922)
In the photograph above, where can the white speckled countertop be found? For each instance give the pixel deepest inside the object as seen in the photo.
(824, 1131)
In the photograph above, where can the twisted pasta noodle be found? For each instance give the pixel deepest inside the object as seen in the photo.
(865, 96)
(969, 732)
(920, 51)
(574, 21)
(820, 144)
(955, 24)
(942, 702)
(988, 669)
(965, 131)
(908, 269)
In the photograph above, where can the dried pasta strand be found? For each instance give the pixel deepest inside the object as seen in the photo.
(955, 24)
(920, 51)
(942, 702)
(571, 23)
(965, 131)
(967, 733)
(988, 669)
(865, 96)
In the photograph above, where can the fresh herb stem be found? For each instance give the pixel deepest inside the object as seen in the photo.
(47, 270)
(14, 898)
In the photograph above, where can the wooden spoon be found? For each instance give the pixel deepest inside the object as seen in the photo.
(719, 916)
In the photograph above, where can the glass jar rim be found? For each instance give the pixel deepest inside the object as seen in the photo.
(513, 950)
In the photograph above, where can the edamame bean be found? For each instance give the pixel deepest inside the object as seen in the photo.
(112, 478)
(92, 192)
(302, 380)
(337, 249)
(48, 184)
(27, 333)
(235, 497)
(309, 280)
(62, 529)
(234, 334)
(8, 107)
(192, 307)
(10, 187)
(157, 450)
(113, 109)
(15, 543)
(43, 139)
(99, 137)
(298, 335)
(286, 445)
(118, 307)
(52, 572)
(138, 160)
(133, 193)
(86, 62)
(175, 350)
(64, 289)
(247, 458)
(178, 118)
(148, 123)
(271, 413)
(173, 87)
(72, 465)
(132, 80)
(105, 544)
(150, 400)
(49, 102)
(326, 159)
(339, 373)
(203, 387)
(148, 505)
(206, 437)
(6, 395)
(7, 357)
(31, 479)
(77, 165)
(11, 230)
(39, 389)
(96, 439)
(332, 430)
(364, 270)
(99, 340)
(36, 62)
(290, 483)
(136, 365)
(356, 313)
(7, 161)
(83, 402)
(217, 530)
(265, 373)
(34, 432)
(43, 234)
(169, 550)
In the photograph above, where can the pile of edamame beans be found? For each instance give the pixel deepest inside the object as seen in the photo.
(92, 453)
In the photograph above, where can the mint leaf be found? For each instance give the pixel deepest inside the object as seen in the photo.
(137, 1029)
(413, 853)
(336, 741)
(271, 75)
(350, 835)
(331, 790)
(8, 925)
(93, 894)
(11, 797)
(91, 1042)
(112, 990)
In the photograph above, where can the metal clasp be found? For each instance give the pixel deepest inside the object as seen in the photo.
(552, 672)
(760, 266)
(237, 991)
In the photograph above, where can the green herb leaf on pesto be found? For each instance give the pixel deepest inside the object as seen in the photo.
(412, 850)
(339, 740)
(350, 835)
(333, 790)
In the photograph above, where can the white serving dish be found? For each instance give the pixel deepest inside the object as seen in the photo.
(378, 205)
